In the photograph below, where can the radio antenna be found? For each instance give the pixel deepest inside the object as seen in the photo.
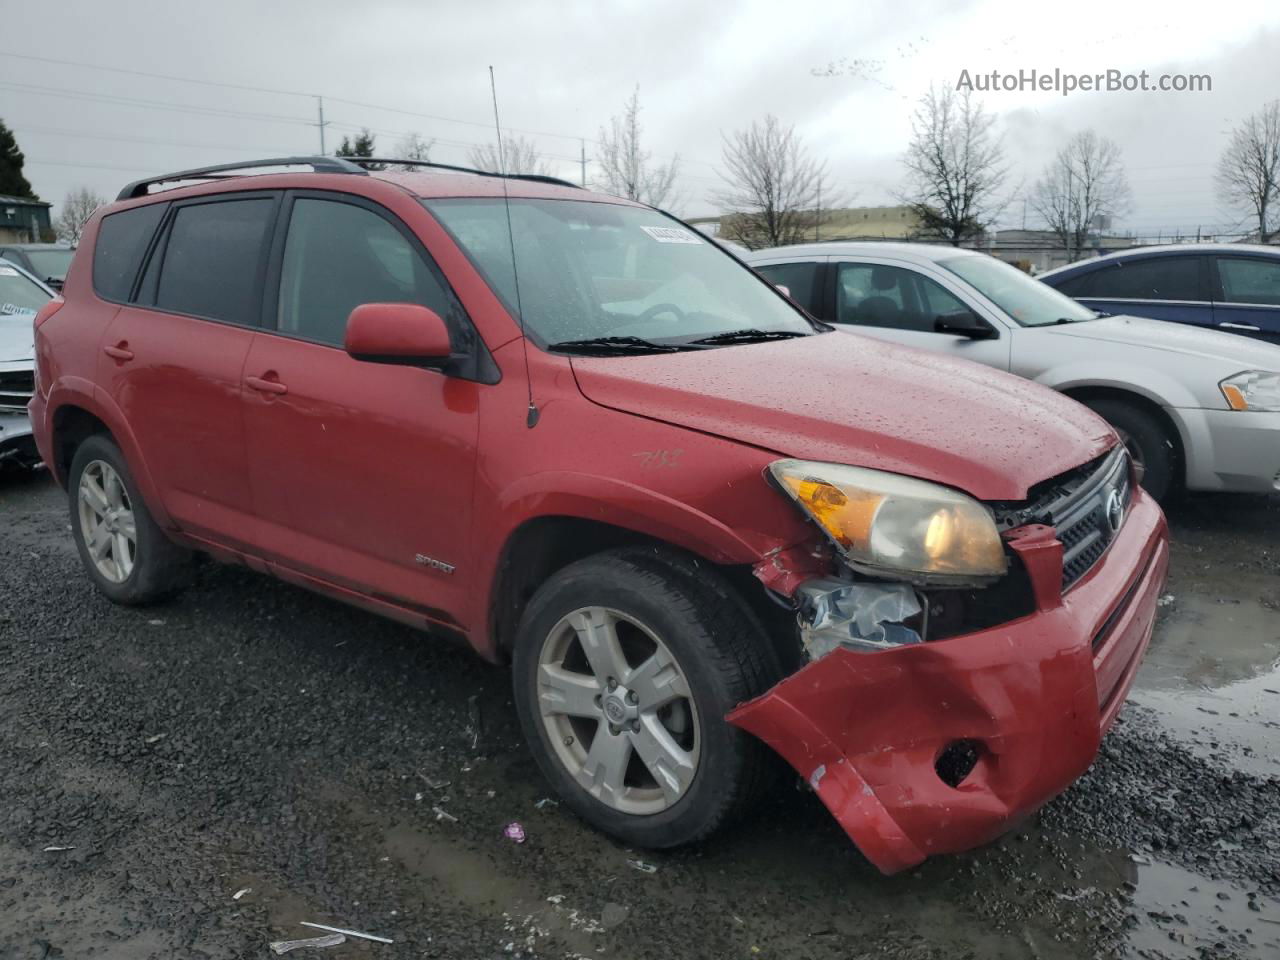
(531, 419)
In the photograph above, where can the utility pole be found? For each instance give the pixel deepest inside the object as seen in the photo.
(817, 220)
(321, 124)
(584, 161)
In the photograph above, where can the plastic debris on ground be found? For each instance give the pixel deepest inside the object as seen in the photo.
(1165, 600)
(546, 802)
(514, 831)
(857, 616)
(284, 946)
(241, 892)
(349, 933)
(444, 815)
(642, 866)
(55, 849)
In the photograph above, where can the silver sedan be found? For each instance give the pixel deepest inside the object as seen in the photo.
(1197, 409)
(21, 296)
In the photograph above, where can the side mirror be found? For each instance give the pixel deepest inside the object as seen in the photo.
(964, 323)
(399, 333)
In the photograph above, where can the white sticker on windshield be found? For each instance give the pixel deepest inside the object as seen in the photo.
(8, 272)
(671, 234)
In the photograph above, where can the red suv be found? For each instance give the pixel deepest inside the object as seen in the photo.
(586, 440)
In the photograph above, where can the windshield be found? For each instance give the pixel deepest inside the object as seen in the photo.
(50, 264)
(1030, 302)
(600, 270)
(19, 294)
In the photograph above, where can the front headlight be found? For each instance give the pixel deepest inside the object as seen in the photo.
(1253, 390)
(894, 526)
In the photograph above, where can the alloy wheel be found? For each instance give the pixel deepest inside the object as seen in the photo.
(618, 711)
(107, 522)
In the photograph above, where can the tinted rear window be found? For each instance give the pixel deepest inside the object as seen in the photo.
(212, 258)
(121, 245)
(1154, 278)
(800, 279)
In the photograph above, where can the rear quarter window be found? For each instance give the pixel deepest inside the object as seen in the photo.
(122, 243)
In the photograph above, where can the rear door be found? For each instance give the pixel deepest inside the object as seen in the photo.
(1166, 287)
(1247, 296)
(897, 302)
(361, 472)
(173, 358)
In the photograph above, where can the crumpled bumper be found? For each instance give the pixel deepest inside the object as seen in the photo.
(16, 441)
(1036, 695)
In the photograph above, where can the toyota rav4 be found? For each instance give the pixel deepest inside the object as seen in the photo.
(588, 441)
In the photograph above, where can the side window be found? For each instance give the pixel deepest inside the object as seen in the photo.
(121, 244)
(1150, 278)
(1250, 281)
(799, 278)
(874, 295)
(337, 256)
(938, 300)
(212, 259)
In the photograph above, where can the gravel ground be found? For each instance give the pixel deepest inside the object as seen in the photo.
(347, 771)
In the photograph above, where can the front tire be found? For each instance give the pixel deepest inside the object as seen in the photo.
(124, 551)
(625, 665)
(1149, 445)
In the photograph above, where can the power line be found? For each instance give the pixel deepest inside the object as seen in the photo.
(72, 94)
(52, 132)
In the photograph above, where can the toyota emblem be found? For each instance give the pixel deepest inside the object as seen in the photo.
(1115, 511)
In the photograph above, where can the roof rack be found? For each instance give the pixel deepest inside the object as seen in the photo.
(319, 164)
(533, 177)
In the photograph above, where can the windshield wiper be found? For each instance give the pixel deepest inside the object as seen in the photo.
(749, 336)
(606, 345)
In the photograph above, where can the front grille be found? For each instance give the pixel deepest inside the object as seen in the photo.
(1083, 506)
(16, 388)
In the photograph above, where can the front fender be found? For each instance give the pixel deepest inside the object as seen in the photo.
(1158, 387)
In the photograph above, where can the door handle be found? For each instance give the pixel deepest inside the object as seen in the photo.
(119, 352)
(266, 386)
(1239, 326)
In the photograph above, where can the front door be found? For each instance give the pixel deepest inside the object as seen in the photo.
(361, 473)
(1247, 299)
(900, 304)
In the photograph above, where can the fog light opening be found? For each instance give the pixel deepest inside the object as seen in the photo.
(957, 760)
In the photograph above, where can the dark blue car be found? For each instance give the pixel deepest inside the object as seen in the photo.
(1230, 287)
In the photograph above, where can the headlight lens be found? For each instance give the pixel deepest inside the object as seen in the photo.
(890, 525)
(1253, 390)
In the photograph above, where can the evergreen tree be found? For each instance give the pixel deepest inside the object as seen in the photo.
(12, 182)
(361, 145)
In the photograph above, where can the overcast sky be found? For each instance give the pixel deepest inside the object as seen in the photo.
(563, 69)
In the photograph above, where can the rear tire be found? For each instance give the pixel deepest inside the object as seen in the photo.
(654, 778)
(126, 554)
(1149, 444)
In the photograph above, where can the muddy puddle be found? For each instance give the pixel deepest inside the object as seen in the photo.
(1212, 675)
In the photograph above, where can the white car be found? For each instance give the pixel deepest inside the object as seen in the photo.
(1196, 408)
(21, 296)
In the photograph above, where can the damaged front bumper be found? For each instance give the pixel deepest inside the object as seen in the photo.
(1023, 705)
(17, 445)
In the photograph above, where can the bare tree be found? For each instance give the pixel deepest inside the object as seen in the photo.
(76, 211)
(626, 167)
(775, 188)
(955, 166)
(413, 147)
(518, 156)
(1249, 170)
(1082, 185)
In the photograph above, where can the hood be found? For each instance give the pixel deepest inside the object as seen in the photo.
(1241, 353)
(17, 337)
(848, 399)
